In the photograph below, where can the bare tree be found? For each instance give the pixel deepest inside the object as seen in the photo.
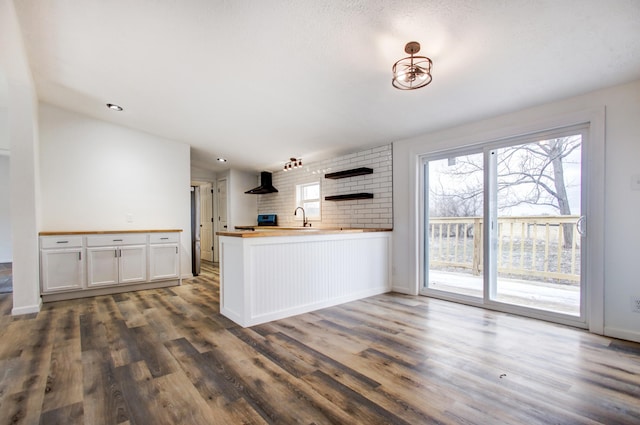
(531, 173)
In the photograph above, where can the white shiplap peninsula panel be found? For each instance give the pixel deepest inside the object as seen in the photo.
(270, 278)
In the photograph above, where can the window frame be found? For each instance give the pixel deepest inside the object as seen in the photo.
(300, 202)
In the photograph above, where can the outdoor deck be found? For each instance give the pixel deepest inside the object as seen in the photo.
(561, 298)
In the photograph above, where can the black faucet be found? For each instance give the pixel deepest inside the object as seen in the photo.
(304, 217)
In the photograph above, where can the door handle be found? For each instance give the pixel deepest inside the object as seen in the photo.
(581, 225)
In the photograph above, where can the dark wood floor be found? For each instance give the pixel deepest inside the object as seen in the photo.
(5, 278)
(168, 357)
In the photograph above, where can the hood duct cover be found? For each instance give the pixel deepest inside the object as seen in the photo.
(265, 185)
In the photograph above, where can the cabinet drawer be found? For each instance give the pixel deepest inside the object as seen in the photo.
(117, 239)
(47, 242)
(163, 238)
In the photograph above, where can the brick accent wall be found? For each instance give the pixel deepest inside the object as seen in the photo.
(366, 213)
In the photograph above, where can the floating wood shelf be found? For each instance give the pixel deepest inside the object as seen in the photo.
(349, 197)
(349, 173)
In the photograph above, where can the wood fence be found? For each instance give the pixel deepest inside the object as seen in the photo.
(528, 246)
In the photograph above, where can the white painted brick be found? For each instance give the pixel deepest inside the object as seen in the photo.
(376, 212)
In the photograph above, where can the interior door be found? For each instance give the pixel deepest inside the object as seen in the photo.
(206, 219)
(222, 223)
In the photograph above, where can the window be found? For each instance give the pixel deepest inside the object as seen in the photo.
(308, 197)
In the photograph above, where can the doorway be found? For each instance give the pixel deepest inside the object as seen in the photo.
(504, 225)
(206, 219)
(221, 211)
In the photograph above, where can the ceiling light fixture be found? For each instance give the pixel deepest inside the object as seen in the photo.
(221, 160)
(293, 163)
(115, 107)
(412, 72)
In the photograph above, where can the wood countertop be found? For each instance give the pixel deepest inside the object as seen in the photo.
(105, 232)
(269, 231)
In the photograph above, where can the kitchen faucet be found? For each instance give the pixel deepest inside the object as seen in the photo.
(304, 217)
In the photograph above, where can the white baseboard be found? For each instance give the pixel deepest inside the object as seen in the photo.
(622, 334)
(27, 309)
(187, 275)
(402, 290)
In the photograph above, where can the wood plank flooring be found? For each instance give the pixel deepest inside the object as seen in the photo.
(167, 356)
(6, 278)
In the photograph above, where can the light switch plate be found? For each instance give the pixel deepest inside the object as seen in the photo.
(635, 182)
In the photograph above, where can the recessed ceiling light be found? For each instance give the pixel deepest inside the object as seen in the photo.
(221, 160)
(114, 107)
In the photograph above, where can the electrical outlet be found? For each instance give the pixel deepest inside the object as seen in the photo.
(635, 304)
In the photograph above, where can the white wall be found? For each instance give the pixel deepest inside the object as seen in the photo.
(100, 176)
(5, 221)
(243, 207)
(4, 124)
(5, 187)
(622, 161)
(366, 213)
(202, 175)
(22, 123)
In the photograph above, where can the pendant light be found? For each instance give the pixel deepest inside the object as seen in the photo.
(412, 72)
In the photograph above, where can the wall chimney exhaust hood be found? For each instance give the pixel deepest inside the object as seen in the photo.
(265, 185)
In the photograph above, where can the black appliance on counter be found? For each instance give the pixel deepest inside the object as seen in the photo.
(267, 220)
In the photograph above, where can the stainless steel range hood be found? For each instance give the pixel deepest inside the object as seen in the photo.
(265, 185)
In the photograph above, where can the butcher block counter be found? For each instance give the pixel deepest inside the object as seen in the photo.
(105, 232)
(270, 231)
(273, 273)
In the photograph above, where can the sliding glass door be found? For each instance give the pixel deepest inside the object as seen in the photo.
(525, 196)
(454, 205)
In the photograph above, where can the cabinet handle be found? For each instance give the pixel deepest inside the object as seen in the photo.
(176, 250)
(79, 256)
(117, 240)
(62, 241)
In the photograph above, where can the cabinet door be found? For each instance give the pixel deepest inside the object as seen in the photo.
(102, 266)
(133, 263)
(62, 269)
(163, 261)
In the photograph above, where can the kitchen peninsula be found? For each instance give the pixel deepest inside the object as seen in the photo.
(270, 274)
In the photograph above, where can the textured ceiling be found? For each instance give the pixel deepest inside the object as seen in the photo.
(260, 81)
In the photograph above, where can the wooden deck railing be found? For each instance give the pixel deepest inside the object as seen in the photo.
(528, 246)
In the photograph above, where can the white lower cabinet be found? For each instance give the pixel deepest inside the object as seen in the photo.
(133, 264)
(163, 261)
(62, 269)
(164, 256)
(115, 265)
(116, 259)
(72, 266)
